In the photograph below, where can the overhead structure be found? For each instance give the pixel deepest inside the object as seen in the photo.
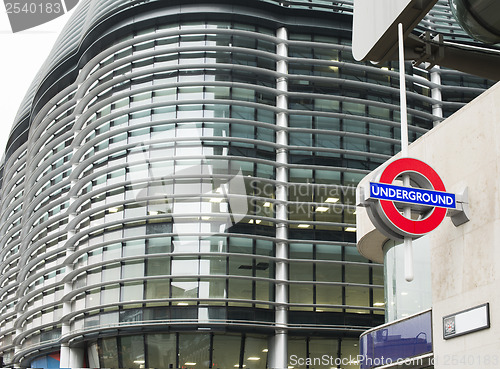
(375, 26)
(375, 35)
(480, 19)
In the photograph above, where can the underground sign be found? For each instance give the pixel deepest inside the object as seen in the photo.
(427, 198)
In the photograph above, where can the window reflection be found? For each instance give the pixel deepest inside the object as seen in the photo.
(161, 349)
(132, 350)
(194, 350)
(226, 351)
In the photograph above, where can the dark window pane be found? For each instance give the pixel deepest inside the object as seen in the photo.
(161, 350)
(108, 353)
(194, 350)
(226, 351)
(132, 350)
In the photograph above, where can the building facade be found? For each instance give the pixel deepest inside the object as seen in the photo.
(178, 189)
(458, 262)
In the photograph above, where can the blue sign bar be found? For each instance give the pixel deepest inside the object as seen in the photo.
(412, 195)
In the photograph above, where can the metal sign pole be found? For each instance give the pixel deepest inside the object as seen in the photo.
(404, 150)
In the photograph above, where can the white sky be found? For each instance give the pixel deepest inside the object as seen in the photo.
(22, 55)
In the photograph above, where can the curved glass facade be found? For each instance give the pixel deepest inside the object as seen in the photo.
(188, 180)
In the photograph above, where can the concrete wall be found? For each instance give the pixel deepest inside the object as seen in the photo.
(465, 260)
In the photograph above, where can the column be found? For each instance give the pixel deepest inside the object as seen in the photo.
(280, 354)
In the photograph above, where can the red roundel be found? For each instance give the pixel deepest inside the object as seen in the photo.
(410, 226)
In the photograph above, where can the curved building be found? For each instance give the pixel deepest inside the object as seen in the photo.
(178, 189)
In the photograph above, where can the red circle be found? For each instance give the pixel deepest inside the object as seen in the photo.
(414, 227)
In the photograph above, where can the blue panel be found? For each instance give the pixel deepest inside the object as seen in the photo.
(46, 362)
(401, 340)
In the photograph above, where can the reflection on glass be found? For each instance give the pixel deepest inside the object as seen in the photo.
(161, 349)
(255, 356)
(194, 350)
(409, 297)
(132, 350)
(350, 349)
(157, 289)
(184, 288)
(226, 351)
(108, 353)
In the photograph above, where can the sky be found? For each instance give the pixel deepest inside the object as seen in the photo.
(22, 55)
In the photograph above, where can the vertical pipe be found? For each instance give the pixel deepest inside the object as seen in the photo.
(402, 94)
(404, 149)
(408, 244)
(435, 74)
(280, 359)
(437, 108)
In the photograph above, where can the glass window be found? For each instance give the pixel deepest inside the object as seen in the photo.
(159, 245)
(226, 351)
(301, 271)
(328, 295)
(255, 353)
(352, 254)
(356, 273)
(297, 347)
(111, 272)
(132, 351)
(212, 288)
(213, 265)
(326, 272)
(301, 251)
(321, 346)
(184, 266)
(357, 296)
(109, 318)
(161, 350)
(301, 294)
(132, 291)
(329, 177)
(240, 245)
(157, 289)
(190, 111)
(112, 252)
(301, 175)
(133, 248)
(242, 112)
(158, 266)
(240, 289)
(133, 269)
(184, 288)
(108, 353)
(93, 298)
(194, 350)
(110, 294)
(264, 248)
(264, 291)
(350, 349)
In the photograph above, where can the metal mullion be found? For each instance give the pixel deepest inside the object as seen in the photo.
(314, 274)
(343, 281)
(177, 353)
(242, 350)
(210, 351)
(370, 281)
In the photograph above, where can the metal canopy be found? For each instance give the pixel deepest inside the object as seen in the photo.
(375, 38)
(375, 34)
